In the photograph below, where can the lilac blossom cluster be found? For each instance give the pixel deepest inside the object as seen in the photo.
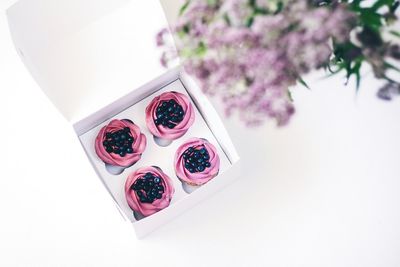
(251, 52)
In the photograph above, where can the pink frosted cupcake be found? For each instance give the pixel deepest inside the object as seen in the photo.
(148, 190)
(169, 116)
(196, 163)
(119, 145)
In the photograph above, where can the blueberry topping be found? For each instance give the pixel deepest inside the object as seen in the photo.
(119, 142)
(148, 188)
(196, 159)
(169, 114)
(200, 168)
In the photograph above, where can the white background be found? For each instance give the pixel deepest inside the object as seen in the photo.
(323, 191)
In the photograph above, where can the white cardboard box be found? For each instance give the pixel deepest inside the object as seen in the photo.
(97, 60)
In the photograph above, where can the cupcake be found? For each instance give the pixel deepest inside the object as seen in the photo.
(119, 145)
(196, 163)
(169, 116)
(148, 190)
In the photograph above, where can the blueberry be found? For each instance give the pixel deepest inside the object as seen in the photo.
(156, 180)
(122, 153)
(138, 187)
(206, 157)
(159, 196)
(200, 168)
(109, 149)
(200, 160)
(191, 170)
(208, 164)
(129, 150)
(171, 125)
(123, 136)
(148, 175)
(160, 188)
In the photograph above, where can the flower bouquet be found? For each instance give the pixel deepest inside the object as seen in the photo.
(252, 52)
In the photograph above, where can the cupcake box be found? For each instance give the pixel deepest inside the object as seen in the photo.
(103, 65)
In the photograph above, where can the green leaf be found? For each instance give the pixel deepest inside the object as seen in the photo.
(395, 33)
(250, 21)
(390, 66)
(380, 3)
(290, 96)
(227, 19)
(184, 7)
(260, 11)
(370, 18)
(279, 8)
(356, 72)
(201, 50)
(303, 83)
(355, 5)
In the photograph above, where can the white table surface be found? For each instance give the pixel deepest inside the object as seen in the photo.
(323, 191)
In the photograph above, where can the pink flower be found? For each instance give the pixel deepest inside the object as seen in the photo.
(250, 52)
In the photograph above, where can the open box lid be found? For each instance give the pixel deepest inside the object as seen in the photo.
(86, 54)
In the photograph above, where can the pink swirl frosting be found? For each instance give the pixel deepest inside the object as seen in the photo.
(138, 145)
(147, 209)
(181, 128)
(197, 178)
